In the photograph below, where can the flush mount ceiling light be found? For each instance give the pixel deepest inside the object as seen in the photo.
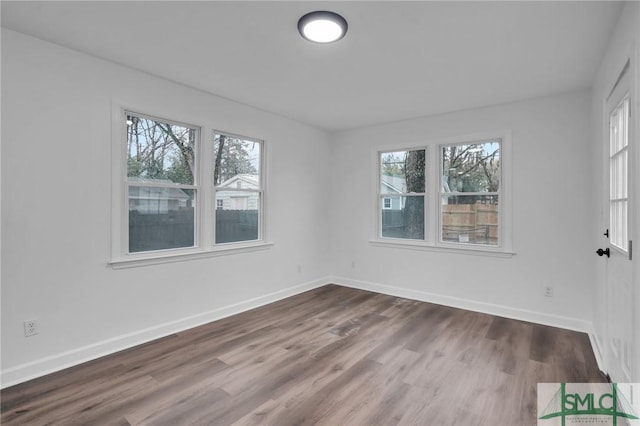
(322, 26)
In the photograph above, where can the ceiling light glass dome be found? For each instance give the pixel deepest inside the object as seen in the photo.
(322, 26)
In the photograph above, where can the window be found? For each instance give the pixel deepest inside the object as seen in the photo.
(619, 175)
(470, 191)
(446, 195)
(402, 173)
(238, 183)
(161, 190)
(177, 196)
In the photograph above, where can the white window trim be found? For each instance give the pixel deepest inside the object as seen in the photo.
(432, 211)
(219, 250)
(204, 245)
(260, 191)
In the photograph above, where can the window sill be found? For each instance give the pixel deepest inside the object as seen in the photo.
(219, 250)
(463, 249)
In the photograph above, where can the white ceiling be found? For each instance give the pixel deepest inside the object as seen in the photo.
(398, 60)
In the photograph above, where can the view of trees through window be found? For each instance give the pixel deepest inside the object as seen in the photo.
(402, 183)
(161, 188)
(471, 168)
(167, 180)
(160, 151)
(234, 156)
(470, 193)
(469, 186)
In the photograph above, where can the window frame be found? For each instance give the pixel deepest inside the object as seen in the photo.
(205, 207)
(261, 190)
(619, 231)
(127, 184)
(442, 194)
(382, 195)
(433, 197)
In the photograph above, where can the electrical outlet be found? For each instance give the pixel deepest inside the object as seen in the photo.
(548, 291)
(30, 328)
(353, 264)
(299, 268)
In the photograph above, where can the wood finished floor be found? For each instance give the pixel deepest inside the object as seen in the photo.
(331, 356)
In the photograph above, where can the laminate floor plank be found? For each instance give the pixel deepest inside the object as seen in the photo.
(329, 356)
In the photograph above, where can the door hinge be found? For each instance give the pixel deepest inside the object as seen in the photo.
(630, 250)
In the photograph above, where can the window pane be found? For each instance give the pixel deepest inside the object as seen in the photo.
(470, 219)
(404, 218)
(618, 176)
(619, 164)
(618, 220)
(160, 218)
(471, 168)
(236, 158)
(160, 152)
(402, 172)
(237, 216)
(619, 127)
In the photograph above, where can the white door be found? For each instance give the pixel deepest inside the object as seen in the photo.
(621, 353)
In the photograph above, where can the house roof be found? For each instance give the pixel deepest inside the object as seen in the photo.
(155, 192)
(252, 180)
(397, 184)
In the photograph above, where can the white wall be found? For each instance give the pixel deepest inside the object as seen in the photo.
(552, 215)
(624, 44)
(56, 142)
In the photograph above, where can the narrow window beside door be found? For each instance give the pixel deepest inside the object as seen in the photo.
(619, 175)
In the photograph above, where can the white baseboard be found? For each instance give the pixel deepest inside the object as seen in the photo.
(43, 366)
(47, 365)
(569, 323)
(597, 349)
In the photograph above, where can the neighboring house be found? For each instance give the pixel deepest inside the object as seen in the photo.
(156, 200)
(228, 199)
(390, 185)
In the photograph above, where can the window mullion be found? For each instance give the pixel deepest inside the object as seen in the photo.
(432, 209)
(205, 182)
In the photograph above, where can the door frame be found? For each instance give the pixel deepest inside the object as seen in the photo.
(635, 169)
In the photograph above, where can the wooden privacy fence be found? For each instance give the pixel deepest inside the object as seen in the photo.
(466, 223)
(473, 223)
